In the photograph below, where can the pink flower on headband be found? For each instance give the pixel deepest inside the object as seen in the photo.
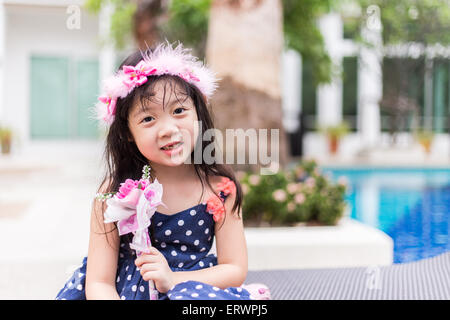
(137, 76)
(108, 114)
(188, 76)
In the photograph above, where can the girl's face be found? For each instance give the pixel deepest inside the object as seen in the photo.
(153, 126)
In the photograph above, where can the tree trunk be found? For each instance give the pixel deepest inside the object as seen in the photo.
(147, 18)
(245, 41)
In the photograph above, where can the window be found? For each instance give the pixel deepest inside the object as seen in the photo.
(402, 105)
(404, 91)
(441, 92)
(308, 96)
(63, 92)
(350, 91)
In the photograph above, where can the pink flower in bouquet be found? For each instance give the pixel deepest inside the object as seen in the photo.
(128, 225)
(129, 185)
(126, 187)
(149, 194)
(142, 184)
(133, 205)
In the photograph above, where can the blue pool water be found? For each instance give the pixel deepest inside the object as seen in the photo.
(412, 206)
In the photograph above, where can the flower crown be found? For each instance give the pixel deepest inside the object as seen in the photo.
(163, 60)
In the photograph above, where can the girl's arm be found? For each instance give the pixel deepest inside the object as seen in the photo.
(102, 257)
(231, 270)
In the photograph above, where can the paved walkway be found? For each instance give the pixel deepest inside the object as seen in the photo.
(45, 200)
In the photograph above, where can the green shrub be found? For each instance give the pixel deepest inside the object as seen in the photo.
(302, 194)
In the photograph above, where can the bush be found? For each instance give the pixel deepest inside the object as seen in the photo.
(302, 194)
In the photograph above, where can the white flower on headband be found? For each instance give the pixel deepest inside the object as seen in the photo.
(164, 59)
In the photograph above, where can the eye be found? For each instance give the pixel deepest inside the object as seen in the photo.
(147, 119)
(179, 109)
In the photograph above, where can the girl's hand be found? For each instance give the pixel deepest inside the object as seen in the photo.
(154, 266)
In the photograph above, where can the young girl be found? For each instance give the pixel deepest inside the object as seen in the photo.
(154, 106)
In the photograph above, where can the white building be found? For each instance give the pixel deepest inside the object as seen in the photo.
(369, 139)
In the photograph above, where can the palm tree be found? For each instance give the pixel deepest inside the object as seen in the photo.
(245, 41)
(147, 18)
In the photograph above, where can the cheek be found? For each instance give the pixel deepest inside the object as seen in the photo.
(191, 131)
(145, 142)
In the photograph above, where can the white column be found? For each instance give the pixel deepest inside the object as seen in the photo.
(2, 61)
(428, 94)
(329, 96)
(370, 79)
(292, 86)
(107, 53)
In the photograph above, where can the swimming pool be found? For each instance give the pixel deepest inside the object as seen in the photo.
(411, 205)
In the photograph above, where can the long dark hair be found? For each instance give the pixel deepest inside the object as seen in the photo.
(122, 156)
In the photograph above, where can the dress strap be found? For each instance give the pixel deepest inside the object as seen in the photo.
(223, 196)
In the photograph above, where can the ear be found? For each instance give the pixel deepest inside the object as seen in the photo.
(130, 137)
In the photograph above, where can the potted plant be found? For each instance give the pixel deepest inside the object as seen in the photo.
(334, 134)
(301, 195)
(425, 138)
(5, 140)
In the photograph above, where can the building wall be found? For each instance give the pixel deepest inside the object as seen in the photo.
(38, 30)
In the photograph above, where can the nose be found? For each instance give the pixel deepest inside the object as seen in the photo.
(168, 128)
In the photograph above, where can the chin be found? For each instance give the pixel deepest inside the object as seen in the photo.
(177, 161)
(174, 164)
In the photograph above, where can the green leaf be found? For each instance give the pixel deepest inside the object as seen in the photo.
(93, 6)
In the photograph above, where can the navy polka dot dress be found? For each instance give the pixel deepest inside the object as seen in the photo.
(185, 239)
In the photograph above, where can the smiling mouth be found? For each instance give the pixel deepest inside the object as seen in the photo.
(173, 146)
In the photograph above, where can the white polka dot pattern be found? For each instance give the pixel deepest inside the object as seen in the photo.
(185, 239)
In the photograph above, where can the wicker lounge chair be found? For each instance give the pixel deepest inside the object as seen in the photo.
(421, 280)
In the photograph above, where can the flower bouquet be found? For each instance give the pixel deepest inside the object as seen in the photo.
(132, 208)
